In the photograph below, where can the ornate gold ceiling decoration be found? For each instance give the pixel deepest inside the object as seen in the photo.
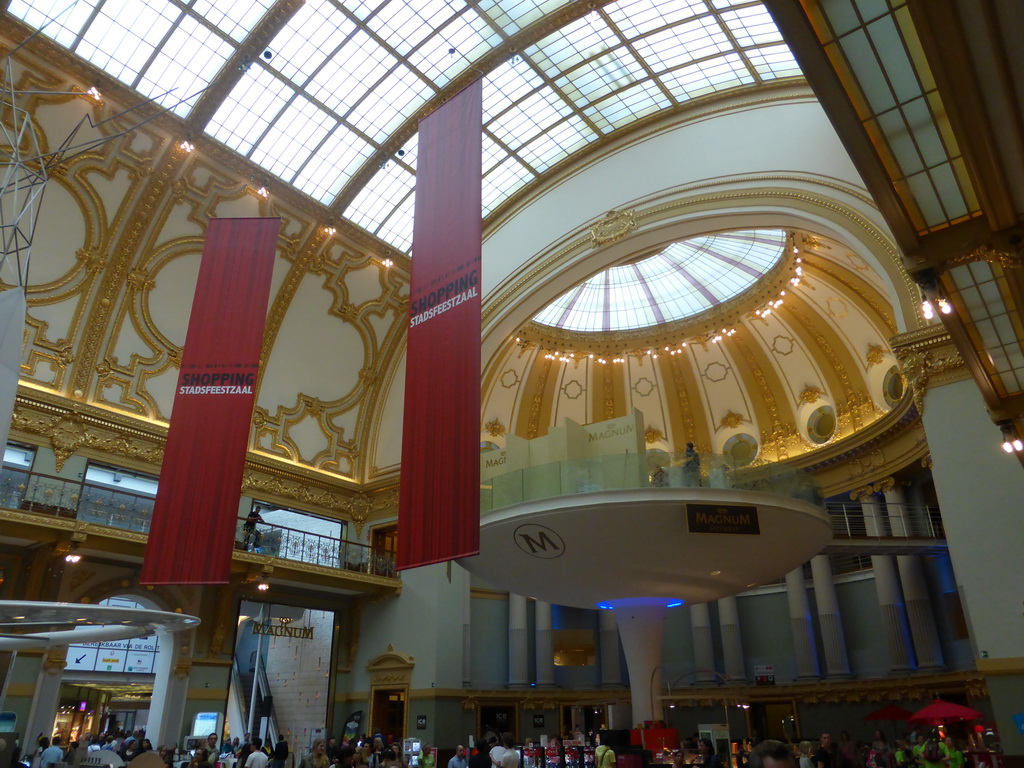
(613, 227)
(928, 356)
(494, 428)
(730, 420)
(810, 394)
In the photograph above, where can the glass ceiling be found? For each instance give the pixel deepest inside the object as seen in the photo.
(342, 76)
(683, 280)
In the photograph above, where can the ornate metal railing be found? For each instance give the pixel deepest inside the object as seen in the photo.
(62, 497)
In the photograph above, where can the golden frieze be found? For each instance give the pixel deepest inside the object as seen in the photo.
(730, 420)
(494, 428)
(810, 394)
(987, 253)
(875, 354)
(613, 227)
(652, 435)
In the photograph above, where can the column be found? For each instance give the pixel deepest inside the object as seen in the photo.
(894, 615)
(703, 647)
(837, 663)
(517, 642)
(642, 629)
(611, 669)
(806, 649)
(896, 510)
(467, 656)
(919, 612)
(47, 696)
(732, 643)
(170, 688)
(887, 586)
(544, 644)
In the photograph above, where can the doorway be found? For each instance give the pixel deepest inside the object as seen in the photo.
(497, 720)
(774, 720)
(388, 715)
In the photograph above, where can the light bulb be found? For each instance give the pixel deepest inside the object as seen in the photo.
(926, 310)
(1008, 446)
(1018, 446)
(945, 307)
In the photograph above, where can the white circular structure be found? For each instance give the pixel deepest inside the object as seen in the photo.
(47, 625)
(590, 549)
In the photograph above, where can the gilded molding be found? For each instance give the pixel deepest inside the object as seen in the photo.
(987, 253)
(613, 227)
(810, 394)
(494, 427)
(653, 435)
(928, 357)
(731, 420)
(875, 355)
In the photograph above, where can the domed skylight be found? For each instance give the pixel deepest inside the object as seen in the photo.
(685, 279)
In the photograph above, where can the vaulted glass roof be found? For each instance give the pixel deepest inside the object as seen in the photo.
(683, 280)
(319, 106)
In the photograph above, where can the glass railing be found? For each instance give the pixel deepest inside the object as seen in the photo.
(61, 497)
(631, 470)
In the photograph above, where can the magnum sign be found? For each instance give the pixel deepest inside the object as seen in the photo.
(722, 518)
(302, 633)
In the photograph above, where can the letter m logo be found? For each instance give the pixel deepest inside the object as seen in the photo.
(539, 541)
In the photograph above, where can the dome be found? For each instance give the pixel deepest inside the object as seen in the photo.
(684, 279)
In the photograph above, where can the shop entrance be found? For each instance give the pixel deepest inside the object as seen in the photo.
(586, 718)
(774, 720)
(389, 713)
(497, 720)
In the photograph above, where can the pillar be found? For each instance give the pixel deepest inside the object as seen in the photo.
(874, 520)
(517, 642)
(896, 510)
(642, 630)
(837, 663)
(732, 643)
(46, 697)
(807, 664)
(611, 670)
(170, 688)
(544, 639)
(703, 647)
(919, 612)
(894, 615)
(467, 655)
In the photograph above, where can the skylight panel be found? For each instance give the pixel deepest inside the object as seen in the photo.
(398, 227)
(292, 138)
(309, 39)
(404, 24)
(639, 17)
(772, 61)
(684, 279)
(507, 83)
(572, 44)
(557, 143)
(236, 18)
(351, 73)
(124, 34)
(514, 15)
(185, 65)
(252, 105)
(683, 43)
(628, 105)
(502, 181)
(397, 97)
(707, 77)
(532, 116)
(752, 25)
(453, 48)
(54, 17)
(599, 77)
(377, 199)
(332, 164)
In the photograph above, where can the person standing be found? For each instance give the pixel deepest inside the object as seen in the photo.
(604, 756)
(426, 756)
(480, 757)
(823, 756)
(496, 753)
(317, 757)
(51, 754)
(257, 757)
(459, 758)
(280, 752)
(510, 757)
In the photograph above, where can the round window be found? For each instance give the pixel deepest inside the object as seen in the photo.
(893, 387)
(741, 449)
(822, 424)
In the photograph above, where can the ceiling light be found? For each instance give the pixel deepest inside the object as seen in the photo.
(186, 146)
(263, 586)
(945, 307)
(388, 263)
(926, 310)
(716, 573)
(329, 230)
(95, 93)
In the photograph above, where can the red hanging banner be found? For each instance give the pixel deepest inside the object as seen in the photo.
(439, 501)
(192, 533)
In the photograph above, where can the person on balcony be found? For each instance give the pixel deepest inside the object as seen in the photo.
(252, 536)
(691, 467)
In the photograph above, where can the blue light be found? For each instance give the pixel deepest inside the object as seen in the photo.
(626, 602)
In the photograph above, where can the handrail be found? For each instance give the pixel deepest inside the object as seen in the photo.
(100, 504)
(893, 521)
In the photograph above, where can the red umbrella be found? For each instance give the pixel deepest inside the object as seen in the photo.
(889, 712)
(940, 711)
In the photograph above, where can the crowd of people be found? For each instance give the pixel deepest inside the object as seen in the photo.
(924, 749)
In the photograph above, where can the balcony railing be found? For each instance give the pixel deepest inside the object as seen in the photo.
(633, 470)
(899, 521)
(61, 497)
